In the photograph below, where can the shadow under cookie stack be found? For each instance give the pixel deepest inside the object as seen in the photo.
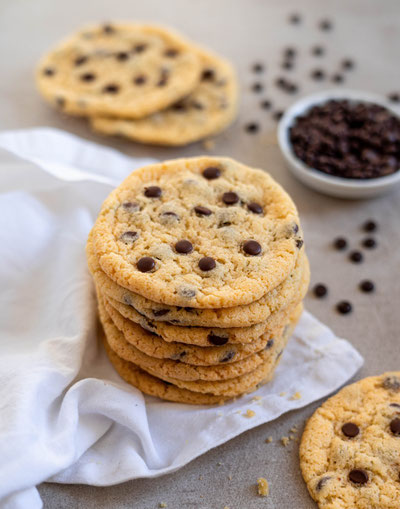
(200, 273)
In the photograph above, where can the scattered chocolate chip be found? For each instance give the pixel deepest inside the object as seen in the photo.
(183, 247)
(317, 74)
(287, 64)
(202, 211)
(257, 87)
(266, 105)
(344, 307)
(160, 312)
(129, 237)
(395, 426)
(395, 405)
(294, 19)
(60, 102)
(48, 71)
(394, 97)
(217, 340)
(270, 344)
(367, 286)
(179, 106)
(350, 429)
(153, 192)
(291, 88)
(320, 290)
(392, 383)
(122, 56)
(356, 257)
(146, 264)
(252, 247)
(299, 243)
(258, 67)
(340, 243)
(370, 226)
(321, 483)
(169, 217)
(88, 77)
(295, 228)
(140, 80)
(317, 51)
(211, 173)
(289, 53)
(112, 88)
(108, 29)
(81, 60)
(278, 115)
(207, 263)
(139, 48)
(369, 243)
(325, 24)
(252, 127)
(337, 78)
(164, 75)
(230, 198)
(254, 207)
(347, 64)
(280, 82)
(130, 206)
(228, 356)
(171, 52)
(187, 293)
(208, 75)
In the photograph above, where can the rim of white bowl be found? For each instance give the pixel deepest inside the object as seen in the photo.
(307, 102)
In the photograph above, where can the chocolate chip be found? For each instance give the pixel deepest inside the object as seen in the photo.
(88, 77)
(81, 60)
(230, 198)
(392, 383)
(254, 207)
(211, 173)
(169, 218)
(171, 52)
(295, 228)
(317, 74)
(258, 67)
(370, 226)
(356, 257)
(122, 56)
(153, 192)
(278, 115)
(108, 29)
(369, 243)
(129, 237)
(140, 80)
(350, 429)
(288, 65)
(217, 340)
(208, 75)
(317, 51)
(340, 243)
(337, 78)
(49, 71)
(266, 105)
(187, 293)
(367, 286)
(202, 211)
(163, 78)
(325, 24)
(394, 97)
(60, 102)
(179, 106)
(321, 483)
(130, 206)
(252, 127)
(320, 290)
(112, 88)
(396, 405)
(299, 243)
(270, 344)
(139, 48)
(294, 19)
(160, 312)
(183, 247)
(344, 307)
(252, 247)
(347, 64)
(395, 426)
(207, 263)
(146, 264)
(228, 356)
(358, 476)
(257, 87)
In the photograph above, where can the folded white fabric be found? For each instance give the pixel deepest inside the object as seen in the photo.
(66, 416)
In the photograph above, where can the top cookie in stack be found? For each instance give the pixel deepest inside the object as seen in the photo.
(143, 82)
(200, 271)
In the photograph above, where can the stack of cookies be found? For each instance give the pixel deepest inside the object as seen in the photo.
(200, 272)
(142, 82)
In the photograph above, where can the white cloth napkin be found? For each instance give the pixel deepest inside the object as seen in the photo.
(66, 416)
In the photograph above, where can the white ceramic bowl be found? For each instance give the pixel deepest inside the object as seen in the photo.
(329, 184)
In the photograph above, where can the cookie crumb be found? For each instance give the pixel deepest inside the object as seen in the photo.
(162, 504)
(208, 144)
(256, 398)
(292, 437)
(294, 429)
(219, 464)
(285, 441)
(249, 413)
(268, 440)
(200, 477)
(263, 488)
(296, 395)
(282, 394)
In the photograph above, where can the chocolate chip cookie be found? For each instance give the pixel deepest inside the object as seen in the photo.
(350, 450)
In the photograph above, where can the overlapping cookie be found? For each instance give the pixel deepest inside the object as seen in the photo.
(120, 69)
(206, 111)
(202, 233)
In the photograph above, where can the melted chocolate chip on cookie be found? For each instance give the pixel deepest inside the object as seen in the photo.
(160, 312)
(395, 427)
(129, 237)
(254, 207)
(207, 263)
(202, 211)
(230, 198)
(217, 340)
(211, 173)
(146, 264)
(358, 476)
(322, 482)
(228, 356)
(183, 247)
(112, 88)
(152, 192)
(88, 77)
(252, 247)
(350, 429)
(392, 383)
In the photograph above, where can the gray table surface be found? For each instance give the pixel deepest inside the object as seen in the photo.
(245, 31)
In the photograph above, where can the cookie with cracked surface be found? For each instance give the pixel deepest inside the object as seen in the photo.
(175, 369)
(209, 109)
(154, 345)
(291, 290)
(120, 69)
(350, 449)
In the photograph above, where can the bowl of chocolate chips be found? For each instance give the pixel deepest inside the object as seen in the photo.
(343, 143)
